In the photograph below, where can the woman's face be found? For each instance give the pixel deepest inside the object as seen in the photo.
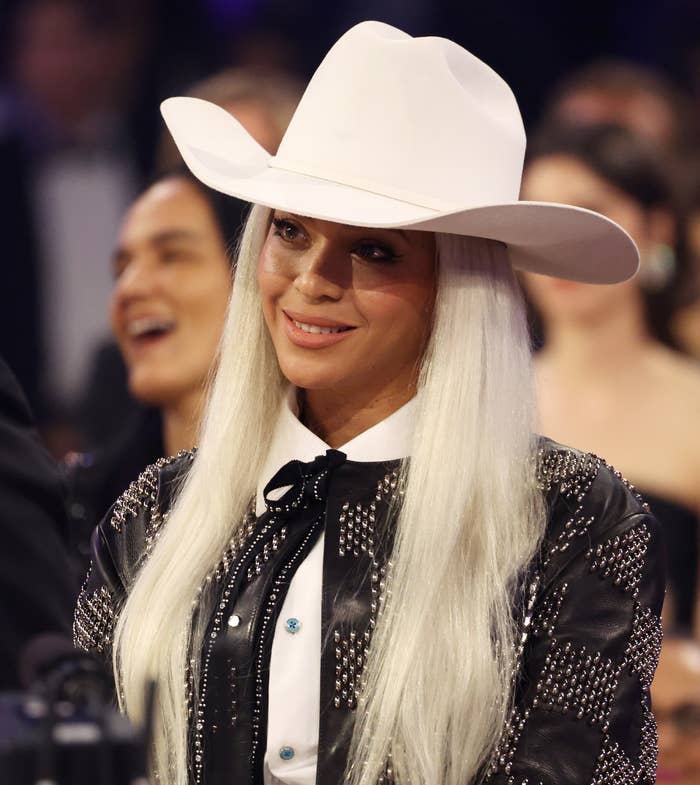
(348, 309)
(565, 179)
(172, 285)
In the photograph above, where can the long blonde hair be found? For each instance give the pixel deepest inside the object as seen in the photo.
(436, 689)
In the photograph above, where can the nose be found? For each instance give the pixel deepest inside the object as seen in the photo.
(324, 273)
(137, 281)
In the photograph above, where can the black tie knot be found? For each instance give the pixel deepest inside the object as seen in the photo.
(306, 483)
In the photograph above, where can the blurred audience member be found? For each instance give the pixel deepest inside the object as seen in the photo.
(172, 281)
(687, 322)
(608, 380)
(68, 175)
(623, 93)
(263, 100)
(675, 694)
(36, 591)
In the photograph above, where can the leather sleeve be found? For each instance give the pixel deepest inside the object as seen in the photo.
(119, 545)
(592, 636)
(99, 599)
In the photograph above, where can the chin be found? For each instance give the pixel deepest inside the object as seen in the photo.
(151, 391)
(309, 378)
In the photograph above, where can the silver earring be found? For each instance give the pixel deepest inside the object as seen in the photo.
(657, 267)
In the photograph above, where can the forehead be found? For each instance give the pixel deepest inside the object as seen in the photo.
(562, 177)
(171, 204)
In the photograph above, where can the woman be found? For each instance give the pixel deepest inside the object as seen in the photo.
(438, 620)
(172, 282)
(608, 377)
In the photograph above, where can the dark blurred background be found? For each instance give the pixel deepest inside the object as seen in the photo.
(80, 84)
(84, 160)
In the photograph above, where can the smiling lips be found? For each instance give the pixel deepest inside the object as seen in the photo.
(313, 332)
(145, 331)
(149, 326)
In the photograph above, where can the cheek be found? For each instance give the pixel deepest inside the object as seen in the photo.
(403, 310)
(208, 303)
(115, 316)
(272, 284)
(536, 288)
(275, 264)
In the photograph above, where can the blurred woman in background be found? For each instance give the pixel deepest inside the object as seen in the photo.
(609, 379)
(172, 282)
(686, 324)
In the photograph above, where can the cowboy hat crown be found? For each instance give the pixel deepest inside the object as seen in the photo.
(399, 131)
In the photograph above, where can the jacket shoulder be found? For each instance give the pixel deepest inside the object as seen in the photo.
(131, 527)
(119, 545)
(584, 493)
(152, 491)
(590, 634)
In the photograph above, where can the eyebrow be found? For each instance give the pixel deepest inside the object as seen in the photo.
(170, 235)
(162, 238)
(400, 232)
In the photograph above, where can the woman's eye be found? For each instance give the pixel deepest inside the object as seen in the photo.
(173, 254)
(374, 252)
(285, 229)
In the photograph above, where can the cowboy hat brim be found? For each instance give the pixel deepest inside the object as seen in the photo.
(542, 237)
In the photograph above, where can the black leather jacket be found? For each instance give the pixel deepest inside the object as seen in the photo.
(590, 623)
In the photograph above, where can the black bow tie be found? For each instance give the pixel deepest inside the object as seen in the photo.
(306, 483)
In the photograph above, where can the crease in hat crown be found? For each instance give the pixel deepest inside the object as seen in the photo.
(395, 131)
(374, 104)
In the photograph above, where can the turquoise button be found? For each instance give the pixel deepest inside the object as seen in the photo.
(292, 625)
(286, 753)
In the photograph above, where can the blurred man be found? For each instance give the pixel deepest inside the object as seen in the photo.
(36, 588)
(627, 94)
(68, 174)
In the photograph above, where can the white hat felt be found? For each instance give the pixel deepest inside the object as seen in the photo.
(394, 131)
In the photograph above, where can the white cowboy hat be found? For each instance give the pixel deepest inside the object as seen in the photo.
(394, 131)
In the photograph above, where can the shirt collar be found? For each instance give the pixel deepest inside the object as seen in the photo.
(388, 440)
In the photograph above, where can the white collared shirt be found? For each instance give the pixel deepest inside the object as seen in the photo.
(295, 665)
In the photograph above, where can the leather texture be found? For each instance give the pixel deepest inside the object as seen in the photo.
(589, 622)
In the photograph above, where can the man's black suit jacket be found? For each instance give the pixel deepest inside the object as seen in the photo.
(36, 583)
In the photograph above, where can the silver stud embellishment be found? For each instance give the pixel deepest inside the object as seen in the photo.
(621, 558)
(579, 682)
(143, 491)
(357, 521)
(644, 645)
(545, 619)
(94, 619)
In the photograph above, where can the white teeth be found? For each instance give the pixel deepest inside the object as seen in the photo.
(148, 324)
(315, 329)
